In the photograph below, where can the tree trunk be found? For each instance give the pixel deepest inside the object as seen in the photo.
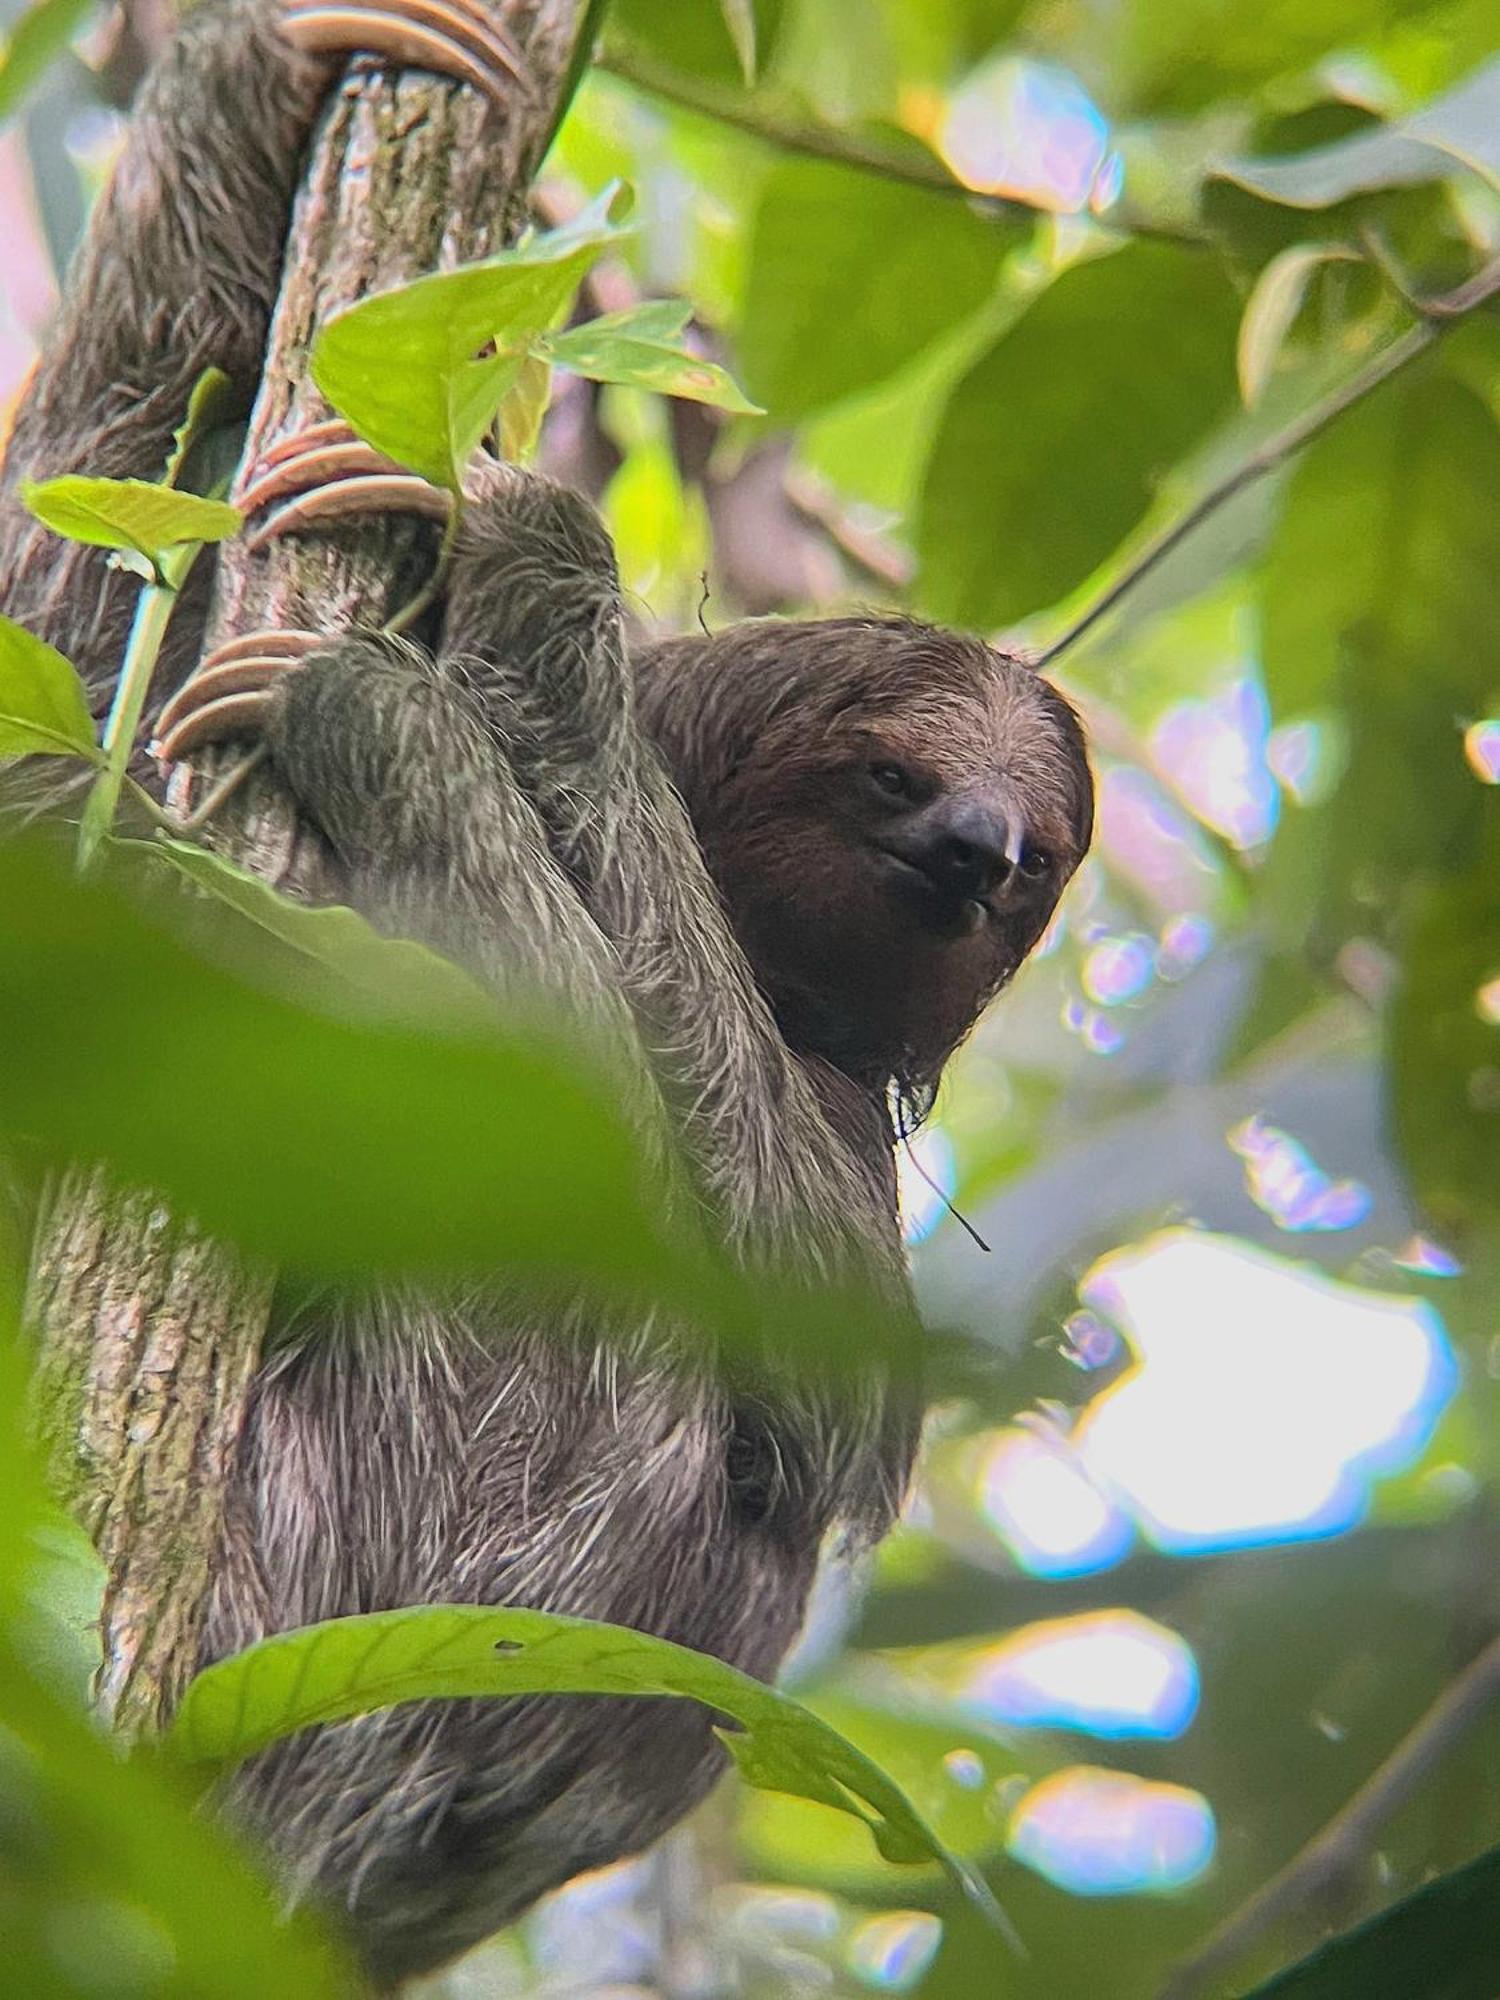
(150, 1334)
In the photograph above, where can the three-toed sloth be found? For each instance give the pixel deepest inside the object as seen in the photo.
(784, 868)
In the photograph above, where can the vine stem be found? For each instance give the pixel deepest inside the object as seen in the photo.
(153, 613)
(1337, 1847)
(826, 142)
(1439, 315)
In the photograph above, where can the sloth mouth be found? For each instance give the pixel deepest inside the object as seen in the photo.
(943, 911)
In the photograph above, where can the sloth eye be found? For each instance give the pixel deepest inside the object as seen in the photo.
(891, 779)
(1035, 863)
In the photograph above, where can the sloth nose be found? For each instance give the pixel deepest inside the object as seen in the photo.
(970, 848)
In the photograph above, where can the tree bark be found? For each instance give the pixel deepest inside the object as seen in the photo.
(151, 1334)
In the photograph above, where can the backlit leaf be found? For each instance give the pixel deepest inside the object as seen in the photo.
(330, 1672)
(1051, 446)
(129, 514)
(43, 707)
(402, 366)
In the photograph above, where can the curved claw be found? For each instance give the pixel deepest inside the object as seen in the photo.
(378, 493)
(229, 694)
(317, 467)
(328, 471)
(450, 37)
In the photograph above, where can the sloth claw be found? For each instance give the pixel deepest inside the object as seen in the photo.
(326, 471)
(316, 474)
(230, 693)
(450, 37)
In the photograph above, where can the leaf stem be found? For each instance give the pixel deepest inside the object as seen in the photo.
(1438, 316)
(153, 612)
(403, 620)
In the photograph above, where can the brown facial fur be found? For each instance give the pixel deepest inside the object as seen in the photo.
(772, 731)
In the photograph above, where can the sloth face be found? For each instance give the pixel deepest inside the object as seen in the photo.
(891, 813)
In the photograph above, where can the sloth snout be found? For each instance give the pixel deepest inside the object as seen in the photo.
(966, 848)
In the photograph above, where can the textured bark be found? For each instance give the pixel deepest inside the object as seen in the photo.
(150, 1334)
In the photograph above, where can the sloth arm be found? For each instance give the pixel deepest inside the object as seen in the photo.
(179, 272)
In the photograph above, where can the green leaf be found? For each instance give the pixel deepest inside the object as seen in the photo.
(1459, 129)
(467, 1150)
(402, 366)
(1272, 309)
(524, 407)
(739, 20)
(349, 1666)
(642, 349)
(128, 514)
(113, 1856)
(38, 38)
(724, 40)
(68, 1580)
(1380, 598)
(1192, 52)
(339, 1139)
(205, 407)
(1051, 446)
(406, 978)
(1440, 1943)
(1444, 1049)
(852, 276)
(44, 708)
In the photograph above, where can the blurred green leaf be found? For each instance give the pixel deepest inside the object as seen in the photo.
(498, 1151)
(523, 409)
(725, 40)
(348, 1666)
(1440, 1943)
(128, 514)
(207, 404)
(464, 1150)
(35, 42)
(43, 707)
(1459, 129)
(659, 528)
(1272, 309)
(851, 276)
(1051, 446)
(1381, 599)
(401, 365)
(1445, 1053)
(112, 1881)
(642, 349)
(404, 976)
(66, 1590)
(1186, 54)
(739, 20)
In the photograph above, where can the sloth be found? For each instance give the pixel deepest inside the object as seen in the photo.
(782, 869)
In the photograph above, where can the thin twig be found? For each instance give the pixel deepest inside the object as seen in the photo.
(1438, 316)
(845, 149)
(1331, 1855)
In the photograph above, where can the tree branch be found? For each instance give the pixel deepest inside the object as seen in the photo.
(1438, 316)
(150, 1335)
(1331, 1855)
